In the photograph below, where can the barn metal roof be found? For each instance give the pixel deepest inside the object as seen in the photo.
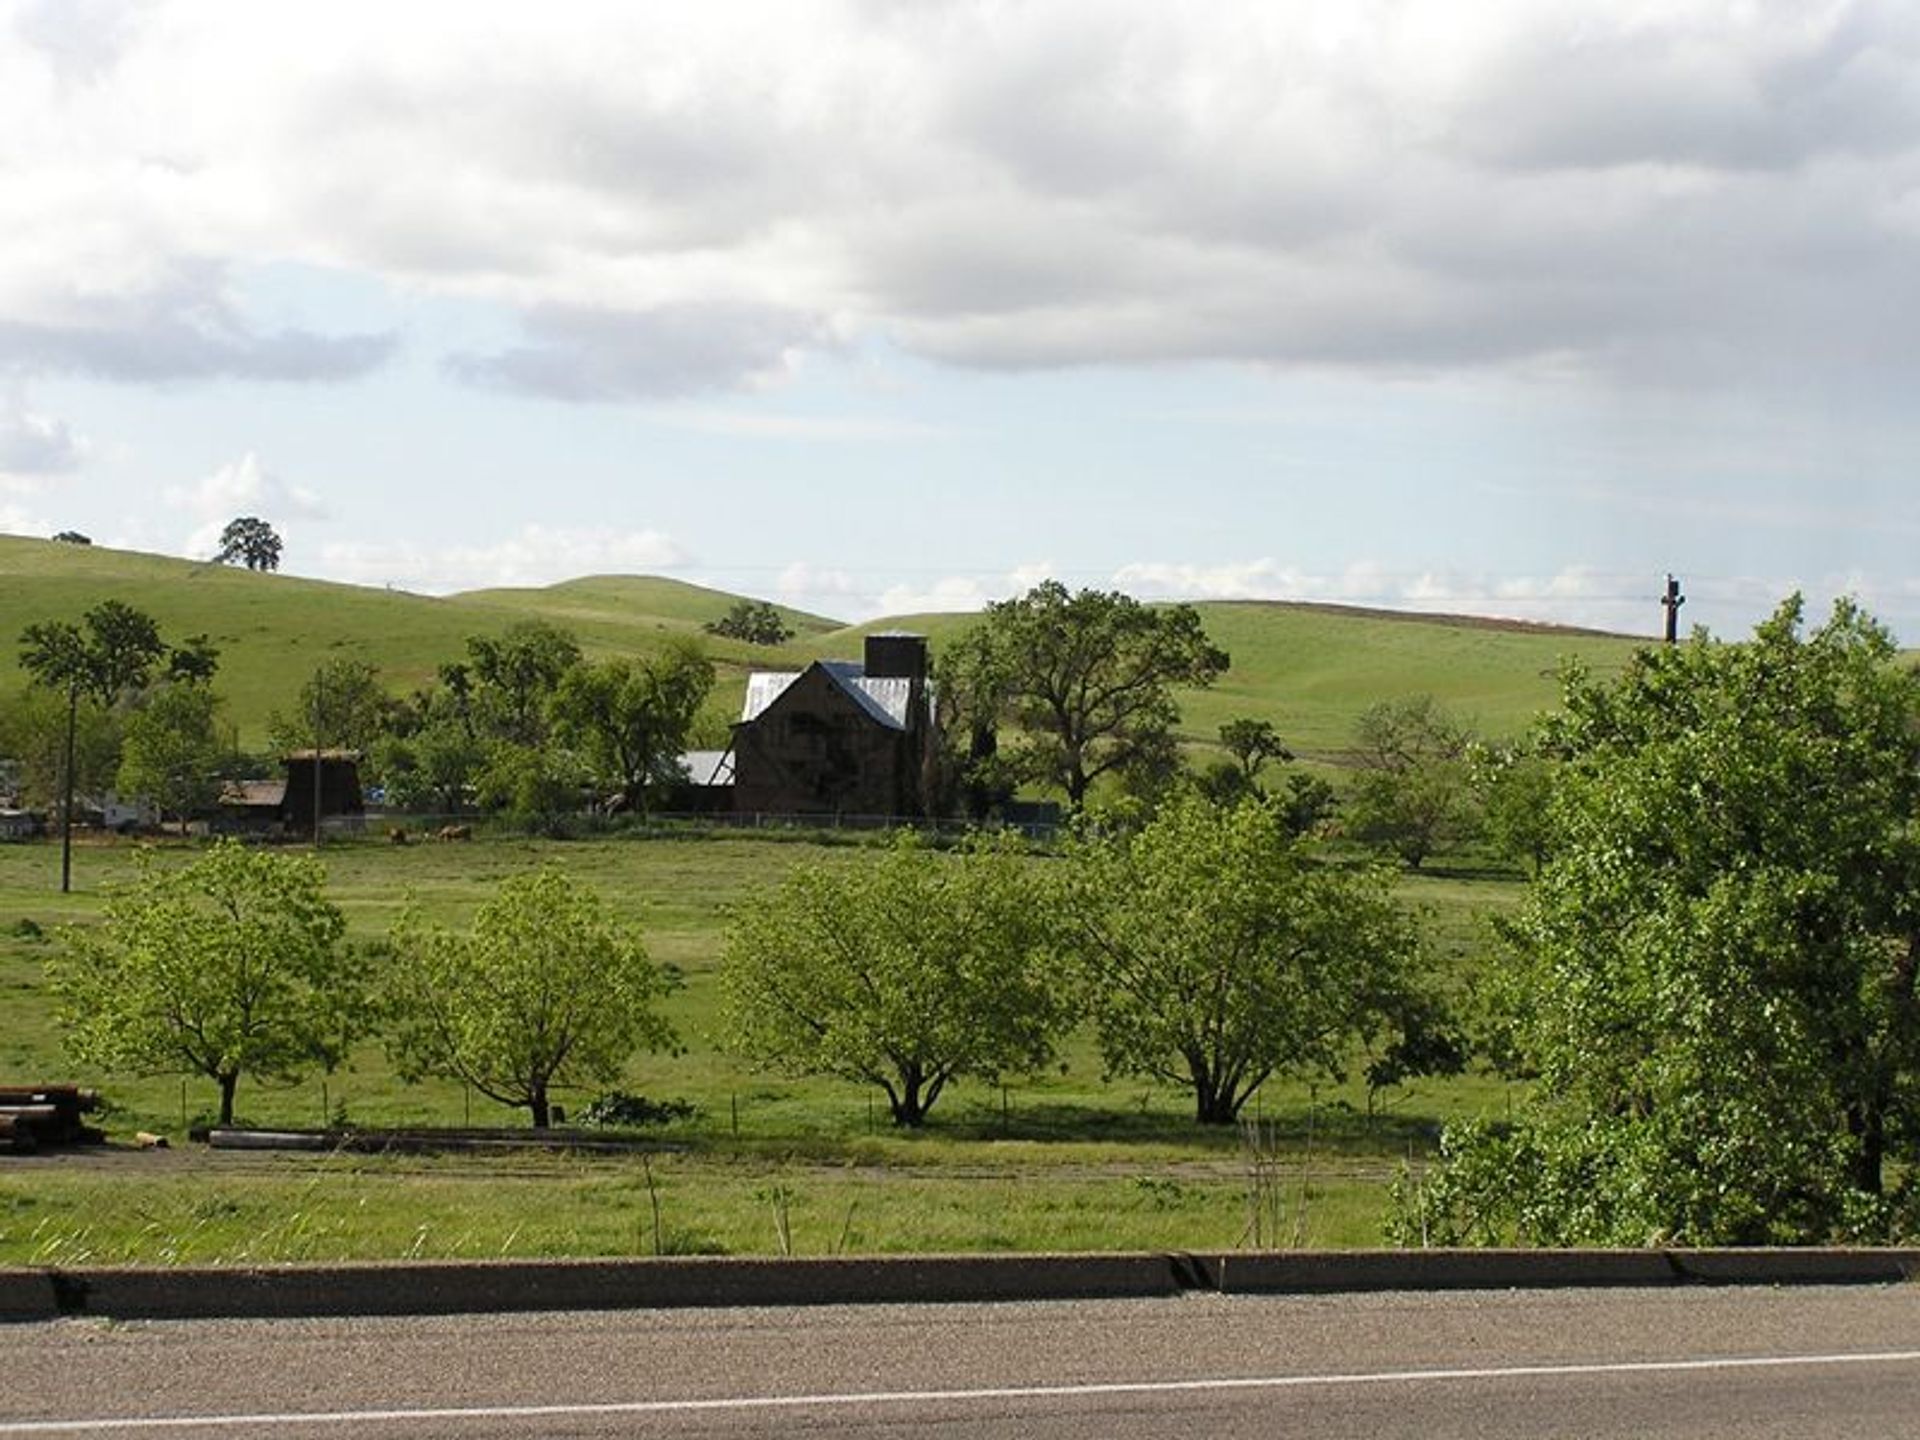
(889, 701)
(708, 767)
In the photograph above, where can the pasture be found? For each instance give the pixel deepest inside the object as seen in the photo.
(1064, 1160)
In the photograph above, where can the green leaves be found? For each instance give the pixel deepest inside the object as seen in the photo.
(1215, 951)
(233, 965)
(546, 990)
(1714, 974)
(906, 971)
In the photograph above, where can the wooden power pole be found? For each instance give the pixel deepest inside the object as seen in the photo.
(1671, 603)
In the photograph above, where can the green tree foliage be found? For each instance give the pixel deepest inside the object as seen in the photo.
(233, 965)
(1515, 787)
(112, 650)
(433, 770)
(193, 661)
(509, 679)
(343, 706)
(172, 754)
(755, 621)
(250, 541)
(546, 991)
(1714, 976)
(1215, 952)
(33, 732)
(1249, 744)
(1412, 790)
(1088, 679)
(630, 718)
(907, 971)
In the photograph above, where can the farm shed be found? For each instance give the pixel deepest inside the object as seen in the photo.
(334, 774)
(838, 738)
(250, 807)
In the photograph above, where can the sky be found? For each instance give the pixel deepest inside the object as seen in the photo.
(875, 308)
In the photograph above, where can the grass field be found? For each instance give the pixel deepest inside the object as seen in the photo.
(1310, 670)
(1064, 1160)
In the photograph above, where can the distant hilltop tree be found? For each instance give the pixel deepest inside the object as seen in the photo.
(73, 537)
(250, 541)
(754, 621)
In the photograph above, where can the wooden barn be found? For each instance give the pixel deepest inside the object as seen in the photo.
(839, 738)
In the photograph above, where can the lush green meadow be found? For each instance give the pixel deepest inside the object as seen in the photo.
(1310, 670)
(1067, 1159)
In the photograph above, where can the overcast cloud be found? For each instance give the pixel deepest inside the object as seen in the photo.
(675, 198)
(576, 267)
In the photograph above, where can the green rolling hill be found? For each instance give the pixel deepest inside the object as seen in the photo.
(1310, 669)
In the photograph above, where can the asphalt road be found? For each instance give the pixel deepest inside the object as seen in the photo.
(1719, 1362)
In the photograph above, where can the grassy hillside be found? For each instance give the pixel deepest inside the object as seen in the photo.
(272, 630)
(1309, 669)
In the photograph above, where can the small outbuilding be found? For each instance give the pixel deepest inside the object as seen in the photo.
(333, 776)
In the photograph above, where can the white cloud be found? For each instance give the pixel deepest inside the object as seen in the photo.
(683, 198)
(34, 446)
(240, 487)
(801, 584)
(537, 555)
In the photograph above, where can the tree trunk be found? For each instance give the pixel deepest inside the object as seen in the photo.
(228, 1083)
(542, 1112)
(909, 1109)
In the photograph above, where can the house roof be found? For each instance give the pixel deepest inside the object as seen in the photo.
(708, 767)
(251, 794)
(889, 701)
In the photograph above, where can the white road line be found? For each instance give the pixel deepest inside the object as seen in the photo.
(922, 1397)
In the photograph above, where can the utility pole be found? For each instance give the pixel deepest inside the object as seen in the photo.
(1671, 603)
(317, 712)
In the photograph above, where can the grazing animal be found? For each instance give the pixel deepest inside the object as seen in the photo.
(456, 832)
(398, 836)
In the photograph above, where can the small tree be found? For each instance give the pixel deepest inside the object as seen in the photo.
(630, 718)
(755, 621)
(547, 990)
(113, 649)
(251, 541)
(1412, 791)
(343, 706)
(1215, 953)
(172, 752)
(231, 966)
(907, 971)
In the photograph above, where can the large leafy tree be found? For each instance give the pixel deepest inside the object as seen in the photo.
(231, 966)
(630, 718)
(1216, 951)
(1088, 679)
(546, 990)
(251, 541)
(1714, 976)
(907, 971)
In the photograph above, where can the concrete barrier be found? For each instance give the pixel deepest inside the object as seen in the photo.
(478, 1287)
(464, 1287)
(26, 1295)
